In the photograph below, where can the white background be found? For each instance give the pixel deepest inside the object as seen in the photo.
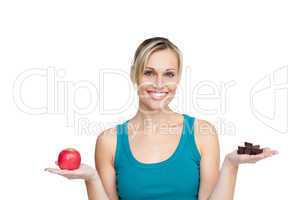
(247, 43)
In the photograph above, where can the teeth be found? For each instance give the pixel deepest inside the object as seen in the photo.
(157, 95)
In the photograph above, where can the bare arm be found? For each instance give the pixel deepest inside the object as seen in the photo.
(208, 145)
(226, 184)
(103, 187)
(104, 161)
(95, 189)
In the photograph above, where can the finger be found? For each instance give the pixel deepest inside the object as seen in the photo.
(56, 163)
(71, 176)
(52, 170)
(270, 151)
(267, 152)
(57, 171)
(275, 152)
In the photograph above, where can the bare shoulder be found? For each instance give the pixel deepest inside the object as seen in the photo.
(106, 144)
(107, 136)
(206, 136)
(204, 127)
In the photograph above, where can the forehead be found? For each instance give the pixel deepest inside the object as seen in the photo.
(162, 60)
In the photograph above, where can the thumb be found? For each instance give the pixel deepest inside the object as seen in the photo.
(56, 162)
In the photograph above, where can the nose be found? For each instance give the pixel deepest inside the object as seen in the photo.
(159, 82)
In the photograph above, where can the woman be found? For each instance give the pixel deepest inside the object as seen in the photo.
(160, 154)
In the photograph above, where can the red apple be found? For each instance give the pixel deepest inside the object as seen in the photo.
(69, 159)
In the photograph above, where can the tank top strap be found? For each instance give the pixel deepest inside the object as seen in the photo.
(189, 123)
(190, 134)
(120, 135)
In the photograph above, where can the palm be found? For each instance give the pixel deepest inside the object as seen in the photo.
(83, 172)
(245, 158)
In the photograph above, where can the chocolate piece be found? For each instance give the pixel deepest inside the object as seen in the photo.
(256, 151)
(249, 149)
(248, 144)
(241, 150)
(253, 152)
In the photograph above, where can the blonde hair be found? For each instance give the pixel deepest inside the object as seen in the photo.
(143, 52)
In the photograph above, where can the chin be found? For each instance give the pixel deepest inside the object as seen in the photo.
(154, 105)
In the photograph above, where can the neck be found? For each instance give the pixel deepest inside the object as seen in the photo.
(147, 119)
(159, 115)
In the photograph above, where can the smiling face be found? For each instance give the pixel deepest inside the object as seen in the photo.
(159, 80)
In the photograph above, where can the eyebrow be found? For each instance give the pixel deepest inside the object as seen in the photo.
(169, 69)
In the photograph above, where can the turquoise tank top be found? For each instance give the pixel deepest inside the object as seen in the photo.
(176, 178)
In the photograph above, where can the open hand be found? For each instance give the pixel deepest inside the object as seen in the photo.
(83, 172)
(237, 159)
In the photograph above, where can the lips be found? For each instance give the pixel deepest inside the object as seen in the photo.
(157, 95)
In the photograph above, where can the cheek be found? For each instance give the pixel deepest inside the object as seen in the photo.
(171, 82)
(142, 91)
(172, 92)
(172, 86)
(147, 79)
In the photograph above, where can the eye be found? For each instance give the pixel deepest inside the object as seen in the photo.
(148, 72)
(170, 74)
